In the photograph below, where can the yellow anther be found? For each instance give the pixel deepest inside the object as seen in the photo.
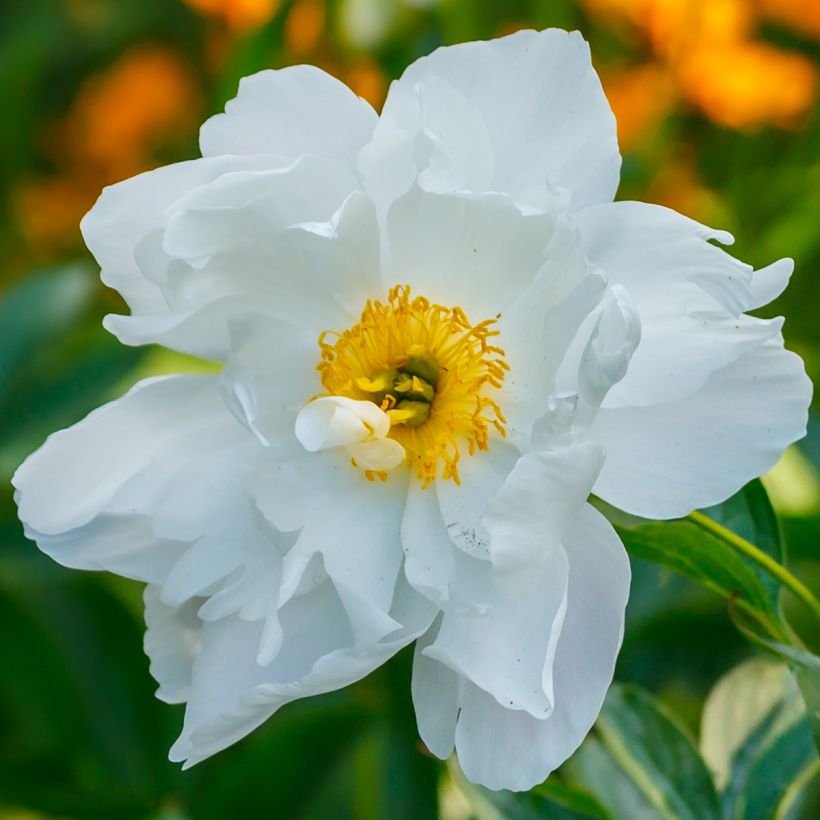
(429, 369)
(411, 413)
(381, 382)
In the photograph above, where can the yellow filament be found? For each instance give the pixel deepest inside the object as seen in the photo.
(364, 361)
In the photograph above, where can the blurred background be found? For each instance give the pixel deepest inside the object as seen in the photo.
(717, 104)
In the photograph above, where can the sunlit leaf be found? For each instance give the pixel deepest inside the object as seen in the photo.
(737, 706)
(641, 762)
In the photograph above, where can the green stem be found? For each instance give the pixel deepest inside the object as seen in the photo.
(764, 561)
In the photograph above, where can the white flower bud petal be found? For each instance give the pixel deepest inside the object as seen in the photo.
(377, 454)
(335, 421)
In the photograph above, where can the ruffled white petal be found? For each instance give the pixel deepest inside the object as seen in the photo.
(689, 294)
(521, 115)
(527, 519)
(595, 362)
(505, 748)
(152, 486)
(86, 470)
(449, 576)
(664, 460)
(288, 241)
(539, 328)
(508, 651)
(172, 641)
(127, 213)
(212, 239)
(292, 111)
(348, 522)
(231, 694)
(463, 506)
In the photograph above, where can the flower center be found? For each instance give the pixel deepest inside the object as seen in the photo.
(429, 369)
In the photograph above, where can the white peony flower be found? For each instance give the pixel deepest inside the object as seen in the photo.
(439, 336)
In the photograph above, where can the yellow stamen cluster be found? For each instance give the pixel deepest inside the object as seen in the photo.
(429, 369)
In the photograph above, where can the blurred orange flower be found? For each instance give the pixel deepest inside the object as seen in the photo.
(801, 15)
(118, 121)
(304, 26)
(710, 57)
(678, 186)
(119, 118)
(368, 81)
(639, 97)
(238, 14)
(763, 85)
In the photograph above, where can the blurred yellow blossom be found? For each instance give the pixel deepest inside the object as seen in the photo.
(238, 14)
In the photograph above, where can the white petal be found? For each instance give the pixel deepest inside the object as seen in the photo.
(287, 240)
(462, 507)
(433, 564)
(665, 460)
(293, 111)
(334, 421)
(769, 282)
(436, 693)
(689, 295)
(75, 475)
(595, 362)
(506, 115)
(538, 501)
(269, 375)
(377, 454)
(231, 694)
(508, 651)
(245, 212)
(313, 275)
(504, 748)
(127, 213)
(539, 327)
(152, 487)
(350, 522)
(613, 341)
(172, 641)
(476, 251)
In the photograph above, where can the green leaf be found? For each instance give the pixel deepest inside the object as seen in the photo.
(289, 763)
(749, 514)
(783, 763)
(756, 737)
(80, 731)
(806, 669)
(742, 700)
(641, 763)
(37, 310)
(688, 550)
